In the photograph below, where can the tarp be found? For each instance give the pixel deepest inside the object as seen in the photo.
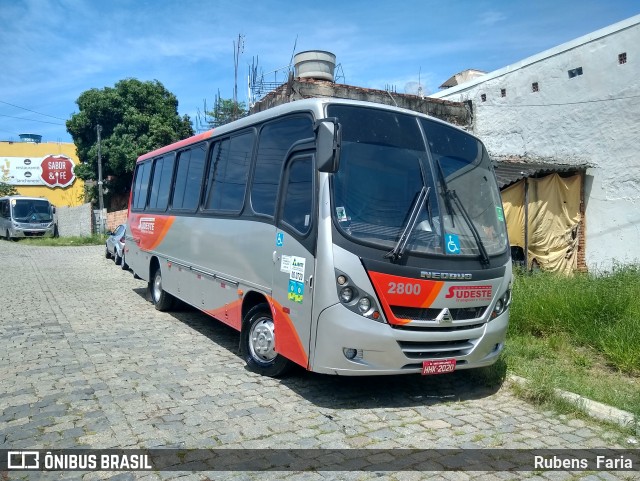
(554, 220)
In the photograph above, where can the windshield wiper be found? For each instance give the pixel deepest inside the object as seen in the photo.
(445, 188)
(451, 195)
(397, 252)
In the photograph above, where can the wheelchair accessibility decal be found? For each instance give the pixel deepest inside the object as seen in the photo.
(452, 243)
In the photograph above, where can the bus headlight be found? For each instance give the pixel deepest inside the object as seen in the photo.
(355, 299)
(346, 295)
(502, 304)
(364, 304)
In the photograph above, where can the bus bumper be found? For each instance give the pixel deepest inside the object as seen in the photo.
(23, 231)
(385, 350)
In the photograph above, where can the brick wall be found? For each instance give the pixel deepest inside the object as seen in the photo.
(114, 219)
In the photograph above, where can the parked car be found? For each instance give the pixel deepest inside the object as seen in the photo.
(114, 246)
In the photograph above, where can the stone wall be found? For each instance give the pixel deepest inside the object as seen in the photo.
(457, 113)
(75, 221)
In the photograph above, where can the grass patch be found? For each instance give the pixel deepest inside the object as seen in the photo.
(579, 334)
(96, 239)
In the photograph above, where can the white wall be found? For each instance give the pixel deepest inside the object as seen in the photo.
(590, 119)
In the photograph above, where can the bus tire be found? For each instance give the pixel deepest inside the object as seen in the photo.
(162, 300)
(257, 343)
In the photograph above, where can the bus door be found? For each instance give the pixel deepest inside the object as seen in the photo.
(294, 260)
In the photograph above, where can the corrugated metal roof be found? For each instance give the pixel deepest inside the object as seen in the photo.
(509, 172)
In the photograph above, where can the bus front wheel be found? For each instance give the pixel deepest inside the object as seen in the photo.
(163, 301)
(257, 343)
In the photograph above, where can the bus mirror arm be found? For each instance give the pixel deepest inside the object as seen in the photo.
(328, 143)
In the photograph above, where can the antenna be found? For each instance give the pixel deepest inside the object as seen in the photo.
(237, 50)
(293, 53)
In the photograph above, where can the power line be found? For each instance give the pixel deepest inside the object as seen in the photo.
(29, 110)
(32, 120)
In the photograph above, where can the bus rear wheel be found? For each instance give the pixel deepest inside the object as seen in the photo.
(163, 301)
(257, 343)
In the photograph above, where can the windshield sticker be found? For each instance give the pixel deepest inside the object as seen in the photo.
(285, 264)
(296, 291)
(279, 239)
(341, 214)
(452, 243)
(500, 213)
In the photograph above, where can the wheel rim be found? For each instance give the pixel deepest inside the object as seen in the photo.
(157, 286)
(262, 341)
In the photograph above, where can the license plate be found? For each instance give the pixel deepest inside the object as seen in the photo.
(440, 366)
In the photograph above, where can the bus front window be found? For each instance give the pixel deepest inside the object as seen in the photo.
(29, 210)
(384, 165)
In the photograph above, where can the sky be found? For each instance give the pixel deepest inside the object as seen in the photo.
(53, 50)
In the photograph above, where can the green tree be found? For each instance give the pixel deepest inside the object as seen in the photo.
(225, 111)
(136, 117)
(7, 189)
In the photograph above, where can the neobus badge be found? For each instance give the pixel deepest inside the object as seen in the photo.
(445, 275)
(147, 224)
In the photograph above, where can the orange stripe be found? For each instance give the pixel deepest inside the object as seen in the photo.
(165, 225)
(287, 340)
(230, 314)
(401, 291)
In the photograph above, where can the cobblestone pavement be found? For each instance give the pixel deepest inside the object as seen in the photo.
(86, 361)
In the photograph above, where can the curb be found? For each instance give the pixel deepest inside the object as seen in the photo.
(593, 409)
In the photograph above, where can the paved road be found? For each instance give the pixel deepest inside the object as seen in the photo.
(86, 361)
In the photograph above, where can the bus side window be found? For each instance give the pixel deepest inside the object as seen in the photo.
(141, 185)
(190, 170)
(276, 138)
(228, 173)
(298, 198)
(161, 183)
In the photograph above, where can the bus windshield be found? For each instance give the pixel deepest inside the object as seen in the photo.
(385, 165)
(31, 210)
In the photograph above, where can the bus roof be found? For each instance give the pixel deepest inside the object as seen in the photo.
(24, 197)
(314, 105)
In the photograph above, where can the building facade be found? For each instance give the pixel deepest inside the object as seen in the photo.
(575, 104)
(42, 169)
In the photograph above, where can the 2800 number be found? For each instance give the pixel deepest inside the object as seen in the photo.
(404, 288)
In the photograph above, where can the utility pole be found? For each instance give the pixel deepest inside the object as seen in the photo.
(100, 190)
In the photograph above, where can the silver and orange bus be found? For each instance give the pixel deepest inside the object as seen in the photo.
(347, 237)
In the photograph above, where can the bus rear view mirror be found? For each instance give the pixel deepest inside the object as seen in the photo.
(328, 140)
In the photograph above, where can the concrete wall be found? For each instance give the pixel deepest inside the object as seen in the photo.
(75, 221)
(300, 88)
(592, 118)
